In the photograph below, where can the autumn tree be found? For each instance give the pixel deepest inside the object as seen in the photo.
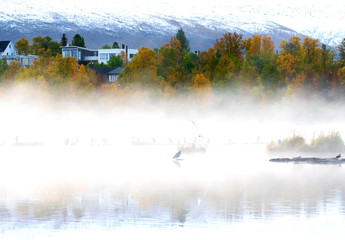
(267, 45)
(41, 43)
(78, 41)
(230, 46)
(180, 35)
(37, 43)
(255, 46)
(22, 46)
(80, 80)
(311, 51)
(200, 82)
(208, 64)
(287, 65)
(292, 47)
(141, 72)
(64, 40)
(170, 63)
(341, 75)
(11, 71)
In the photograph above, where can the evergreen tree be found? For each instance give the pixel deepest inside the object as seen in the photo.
(341, 49)
(64, 40)
(116, 45)
(183, 40)
(78, 41)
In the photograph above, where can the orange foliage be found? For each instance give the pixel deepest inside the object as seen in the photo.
(267, 45)
(254, 49)
(287, 65)
(200, 82)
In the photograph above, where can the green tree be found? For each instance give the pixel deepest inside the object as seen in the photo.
(106, 46)
(180, 35)
(37, 43)
(63, 40)
(22, 46)
(78, 41)
(54, 47)
(115, 61)
(40, 43)
(3, 68)
(116, 45)
(341, 49)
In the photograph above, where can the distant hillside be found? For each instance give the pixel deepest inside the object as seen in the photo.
(137, 25)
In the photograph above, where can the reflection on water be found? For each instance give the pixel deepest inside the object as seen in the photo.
(104, 192)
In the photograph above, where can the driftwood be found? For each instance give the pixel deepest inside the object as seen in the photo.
(310, 160)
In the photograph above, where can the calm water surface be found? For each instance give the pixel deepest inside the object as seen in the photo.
(105, 192)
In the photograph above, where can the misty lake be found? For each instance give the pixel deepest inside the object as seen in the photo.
(136, 191)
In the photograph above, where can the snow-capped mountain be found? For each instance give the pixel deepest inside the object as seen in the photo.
(151, 23)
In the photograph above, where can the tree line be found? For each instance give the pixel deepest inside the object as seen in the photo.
(236, 65)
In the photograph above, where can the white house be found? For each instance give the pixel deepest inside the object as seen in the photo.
(83, 55)
(8, 51)
(105, 54)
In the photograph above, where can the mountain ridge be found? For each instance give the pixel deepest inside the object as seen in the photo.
(144, 27)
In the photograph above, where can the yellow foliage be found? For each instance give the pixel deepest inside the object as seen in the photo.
(267, 45)
(311, 51)
(12, 71)
(201, 83)
(287, 65)
(341, 75)
(173, 43)
(254, 49)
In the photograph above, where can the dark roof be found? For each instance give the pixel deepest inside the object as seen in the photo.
(3, 45)
(116, 71)
(102, 70)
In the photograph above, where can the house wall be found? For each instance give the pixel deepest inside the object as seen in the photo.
(101, 55)
(10, 53)
(105, 54)
(112, 78)
(26, 61)
(10, 50)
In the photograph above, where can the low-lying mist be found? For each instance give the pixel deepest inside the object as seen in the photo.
(220, 118)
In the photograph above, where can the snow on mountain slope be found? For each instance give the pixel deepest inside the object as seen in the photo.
(316, 19)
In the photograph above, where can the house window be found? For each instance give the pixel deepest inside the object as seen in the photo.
(74, 53)
(103, 56)
(112, 78)
(131, 56)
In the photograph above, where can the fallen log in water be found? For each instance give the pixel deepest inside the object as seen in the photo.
(310, 160)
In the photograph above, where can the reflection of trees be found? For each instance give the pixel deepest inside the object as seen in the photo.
(304, 193)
